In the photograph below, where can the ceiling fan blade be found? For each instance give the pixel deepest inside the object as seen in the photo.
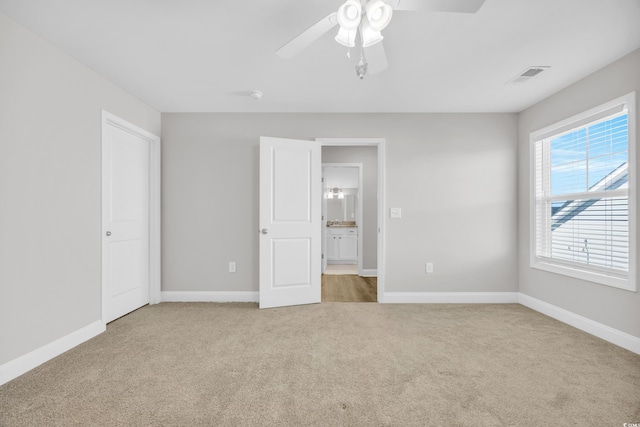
(376, 58)
(458, 6)
(308, 36)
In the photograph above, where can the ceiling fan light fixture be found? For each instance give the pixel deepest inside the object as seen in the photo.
(346, 38)
(369, 18)
(349, 15)
(369, 35)
(378, 14)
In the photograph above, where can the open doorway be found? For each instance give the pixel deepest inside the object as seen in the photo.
(352, 207)
(342, 217)
(291, 224)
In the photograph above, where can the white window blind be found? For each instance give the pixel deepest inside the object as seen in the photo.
(581, 218)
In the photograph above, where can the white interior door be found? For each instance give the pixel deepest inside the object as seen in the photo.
(290, 224)
(125, 221)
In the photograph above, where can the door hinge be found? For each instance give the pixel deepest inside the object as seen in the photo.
(322, 256)
(322, 179)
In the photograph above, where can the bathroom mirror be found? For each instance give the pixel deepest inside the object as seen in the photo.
(349, 203)
(342, 209)
(341, 190)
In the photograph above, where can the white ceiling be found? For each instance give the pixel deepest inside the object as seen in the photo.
(205, 56)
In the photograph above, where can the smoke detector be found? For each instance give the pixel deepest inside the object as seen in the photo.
(256, 95)
(529, 73)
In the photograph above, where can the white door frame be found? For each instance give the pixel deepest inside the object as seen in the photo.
(359, 208)
(109, 119)
(380, 143)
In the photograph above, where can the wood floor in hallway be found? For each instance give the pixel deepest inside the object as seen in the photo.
(349, 288)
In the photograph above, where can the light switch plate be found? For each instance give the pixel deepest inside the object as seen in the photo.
(395, 212)
(232, 267)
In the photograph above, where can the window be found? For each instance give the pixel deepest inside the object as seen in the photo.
(583, 179)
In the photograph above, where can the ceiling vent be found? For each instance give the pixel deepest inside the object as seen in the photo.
(528, 74)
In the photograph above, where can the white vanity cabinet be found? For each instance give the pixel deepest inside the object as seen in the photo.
(342, 244)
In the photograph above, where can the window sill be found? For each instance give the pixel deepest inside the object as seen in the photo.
(626, 284)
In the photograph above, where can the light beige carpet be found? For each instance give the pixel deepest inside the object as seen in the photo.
(331, 364)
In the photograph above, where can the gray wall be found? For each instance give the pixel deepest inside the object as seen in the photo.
(368, 156)
(454, 176)
(613, 307)
(50, 120)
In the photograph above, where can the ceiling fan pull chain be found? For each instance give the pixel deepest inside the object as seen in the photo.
(361, 68)
(348, 52)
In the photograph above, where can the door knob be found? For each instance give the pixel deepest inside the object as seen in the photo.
(264, 231)
(108, 233)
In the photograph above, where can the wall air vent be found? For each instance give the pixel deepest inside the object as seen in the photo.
(528, 74)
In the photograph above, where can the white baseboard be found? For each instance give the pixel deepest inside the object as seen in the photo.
(210, 296)
(450, 297)
(369, 273)
(607, 333)
(37, 357)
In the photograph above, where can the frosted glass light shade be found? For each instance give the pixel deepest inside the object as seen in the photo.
(349, 15)
(369, 36)
(378, 14)
(346, 38)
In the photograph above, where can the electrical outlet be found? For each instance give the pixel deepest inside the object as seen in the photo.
(232, 266)
(395, 212)
(428, 268)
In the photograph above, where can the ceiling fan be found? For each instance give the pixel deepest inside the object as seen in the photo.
(366, 19)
